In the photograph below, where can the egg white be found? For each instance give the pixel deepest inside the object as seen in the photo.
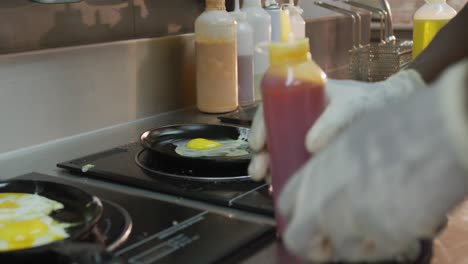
(56, 229)
(29, 207)
(228, 148)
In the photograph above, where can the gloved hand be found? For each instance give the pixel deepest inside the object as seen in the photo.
(385, 183)
(259, 168)
(347, 101)
(350, 99)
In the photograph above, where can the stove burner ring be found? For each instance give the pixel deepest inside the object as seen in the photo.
(138, 161)
(114, 216)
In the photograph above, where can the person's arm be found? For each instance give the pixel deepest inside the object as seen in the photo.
(448, 47)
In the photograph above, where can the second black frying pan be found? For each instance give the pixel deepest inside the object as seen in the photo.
(161, 142)
(81, 209)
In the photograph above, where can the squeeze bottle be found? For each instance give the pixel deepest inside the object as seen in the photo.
(428, 20)
(293, 98)
(216, 59)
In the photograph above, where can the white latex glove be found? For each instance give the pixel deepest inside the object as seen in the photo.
(385, 183)
(259, 168)
(347, 101)
(350, 99)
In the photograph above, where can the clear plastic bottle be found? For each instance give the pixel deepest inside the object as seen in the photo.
(293, 98)
(297, 22)
(245, 72)
(216, 59)
(260, 21)
(428, 20)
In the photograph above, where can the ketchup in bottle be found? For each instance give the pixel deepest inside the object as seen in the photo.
(293, 98)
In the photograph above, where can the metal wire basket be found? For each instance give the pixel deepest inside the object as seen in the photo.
(385, 59)
(358, 53)
(377, 61)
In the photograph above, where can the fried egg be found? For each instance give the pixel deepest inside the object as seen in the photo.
(201, 147)
(25, 221)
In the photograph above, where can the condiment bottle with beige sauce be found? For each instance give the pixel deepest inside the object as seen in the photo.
(216, 59)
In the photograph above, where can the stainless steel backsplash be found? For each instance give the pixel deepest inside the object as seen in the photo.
(331, 39)
(55, 93)
(25, 25)
(51, 94)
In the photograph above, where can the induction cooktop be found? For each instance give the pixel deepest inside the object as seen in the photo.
(142, 230)
(119, 165)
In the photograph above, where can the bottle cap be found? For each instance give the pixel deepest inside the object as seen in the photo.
(271, 4)
(436, 1)
(292, 51)
(215, 5)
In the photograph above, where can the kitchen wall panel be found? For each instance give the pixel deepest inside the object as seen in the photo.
(50, 94)
(25, 25)
(28, 26)
(331, 39)
(158, 18)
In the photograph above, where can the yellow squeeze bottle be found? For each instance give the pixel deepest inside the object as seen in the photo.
(428, 20)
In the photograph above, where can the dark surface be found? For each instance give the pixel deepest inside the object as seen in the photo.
(154, 165)
(113, 227)
(161, 143)
(169, 233)
(118, 165)
(243, 116)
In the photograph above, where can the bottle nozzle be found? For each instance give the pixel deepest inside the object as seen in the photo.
(237, 13)
(294, 9)
(236, 6)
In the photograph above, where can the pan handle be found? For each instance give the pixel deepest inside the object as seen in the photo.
(85, 253)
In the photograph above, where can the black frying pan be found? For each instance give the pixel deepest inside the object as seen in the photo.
(80, 208)
(160, 142)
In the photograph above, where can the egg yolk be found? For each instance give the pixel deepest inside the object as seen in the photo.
(8, 205)
(22, 234)
(15, 196)
(202, 144)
